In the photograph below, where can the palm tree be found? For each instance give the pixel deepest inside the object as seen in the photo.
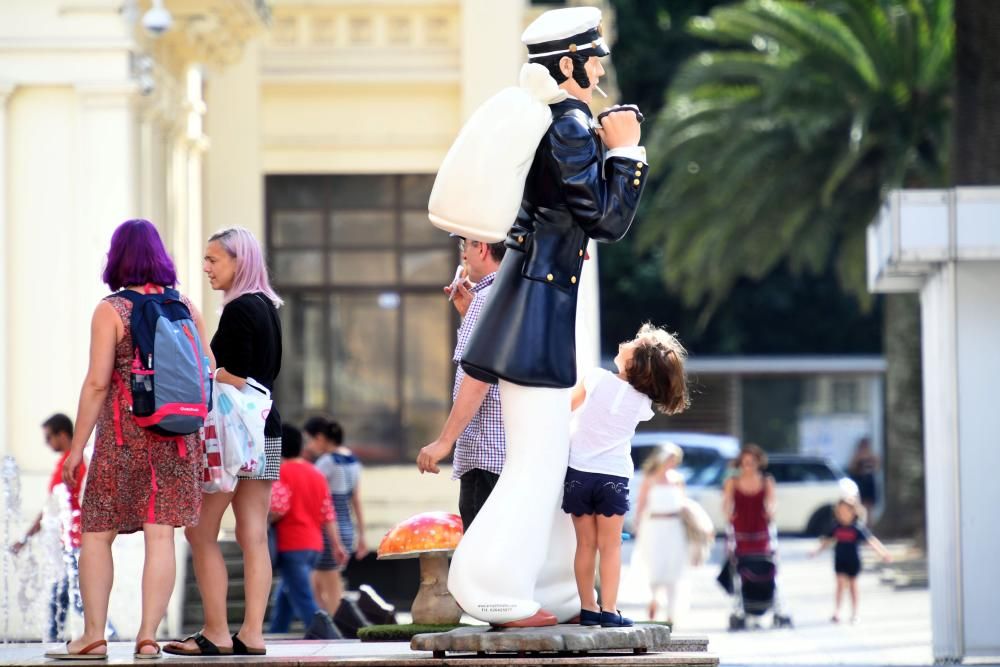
(976, 148)
(780, 147)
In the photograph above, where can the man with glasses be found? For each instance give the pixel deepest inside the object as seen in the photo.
(475, 424)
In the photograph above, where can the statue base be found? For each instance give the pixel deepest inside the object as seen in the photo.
(566, 641)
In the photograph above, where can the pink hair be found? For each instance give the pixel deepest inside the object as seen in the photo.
(251, 271)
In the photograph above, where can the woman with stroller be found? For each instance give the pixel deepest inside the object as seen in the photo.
(748, 500)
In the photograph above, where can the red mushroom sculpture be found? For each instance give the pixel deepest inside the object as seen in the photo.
(431, 537)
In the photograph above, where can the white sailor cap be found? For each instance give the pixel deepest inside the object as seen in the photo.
(565, 31)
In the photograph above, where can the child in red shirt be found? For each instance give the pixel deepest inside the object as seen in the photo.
(301, 510)
(58, 430)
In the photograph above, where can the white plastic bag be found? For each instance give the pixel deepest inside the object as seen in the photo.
(480, 184)
(215, 478)
(239, 416)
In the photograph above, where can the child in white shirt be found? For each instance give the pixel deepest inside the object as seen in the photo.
(607, 408)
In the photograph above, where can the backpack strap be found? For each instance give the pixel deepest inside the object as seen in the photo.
(123, 388)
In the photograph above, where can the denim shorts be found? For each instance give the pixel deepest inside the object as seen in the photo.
(594, 493)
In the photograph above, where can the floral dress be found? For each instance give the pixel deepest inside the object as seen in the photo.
(135, 476)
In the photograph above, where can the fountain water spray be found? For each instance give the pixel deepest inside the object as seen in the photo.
(11, 479)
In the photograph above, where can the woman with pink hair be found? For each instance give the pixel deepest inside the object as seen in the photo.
(246, 344)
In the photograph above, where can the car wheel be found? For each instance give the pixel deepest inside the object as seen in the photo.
(820, 521)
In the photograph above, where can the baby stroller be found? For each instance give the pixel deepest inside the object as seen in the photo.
(753, 572)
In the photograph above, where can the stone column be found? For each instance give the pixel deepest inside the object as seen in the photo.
(5, 281)
(490, 50)
(107, 188)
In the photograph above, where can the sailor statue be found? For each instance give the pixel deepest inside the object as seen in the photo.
(514, 567)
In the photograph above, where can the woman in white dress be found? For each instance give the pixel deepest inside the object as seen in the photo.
(662, 547)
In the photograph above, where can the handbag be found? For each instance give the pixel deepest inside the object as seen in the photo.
(699, 530)
(239, 417)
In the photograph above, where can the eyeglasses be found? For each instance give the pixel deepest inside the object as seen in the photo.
(461, 244)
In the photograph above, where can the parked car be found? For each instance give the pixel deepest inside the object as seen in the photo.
(807, 489)
(702, 451)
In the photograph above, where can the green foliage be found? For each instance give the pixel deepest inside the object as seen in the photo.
(780, 148)
(652, 42)
(401, 633)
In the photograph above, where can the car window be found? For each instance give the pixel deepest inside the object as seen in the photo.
(640, 454)
(820, 472)
(779, 471)
(800, 472)
(711, 475)
(696, 459)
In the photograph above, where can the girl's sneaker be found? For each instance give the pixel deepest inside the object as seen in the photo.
(614, 619)
(590, 618)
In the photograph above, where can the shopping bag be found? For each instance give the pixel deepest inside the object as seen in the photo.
(239, 418)
(215, 477)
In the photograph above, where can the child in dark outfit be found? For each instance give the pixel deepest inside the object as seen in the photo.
(607, 407)
(845, 535)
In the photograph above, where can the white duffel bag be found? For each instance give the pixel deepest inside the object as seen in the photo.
(479, 186)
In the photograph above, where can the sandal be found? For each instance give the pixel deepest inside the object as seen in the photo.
(205, 647)
(139, 655)
(82, 654)
(239, 648)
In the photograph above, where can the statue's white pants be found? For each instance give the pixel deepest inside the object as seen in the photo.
(517, 556)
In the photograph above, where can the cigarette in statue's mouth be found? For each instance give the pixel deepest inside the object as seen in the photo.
(598, 89)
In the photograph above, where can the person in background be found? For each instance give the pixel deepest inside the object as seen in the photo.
(302, 513)
(58, 432)
(748, 500)
(846, 536)
(342, 471)
(863, 468)
(476, 418)
(662, 549)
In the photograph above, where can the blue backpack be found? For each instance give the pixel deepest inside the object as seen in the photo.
(171, 379)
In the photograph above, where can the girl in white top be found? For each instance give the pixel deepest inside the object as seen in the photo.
(607, 408)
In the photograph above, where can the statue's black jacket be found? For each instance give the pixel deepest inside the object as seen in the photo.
(526, 333)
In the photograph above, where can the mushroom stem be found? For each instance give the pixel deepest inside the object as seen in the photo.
(434, 605)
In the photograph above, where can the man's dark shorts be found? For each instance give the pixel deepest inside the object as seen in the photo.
(594, 493)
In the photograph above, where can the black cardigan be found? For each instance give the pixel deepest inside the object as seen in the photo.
(248, 344)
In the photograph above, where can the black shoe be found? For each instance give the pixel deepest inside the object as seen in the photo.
(590, 618)
(614, 619)
(375, 609)
(349, 619)
(322, 627)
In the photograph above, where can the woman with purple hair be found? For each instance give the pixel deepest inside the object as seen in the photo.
(137, 480)
(246, 344)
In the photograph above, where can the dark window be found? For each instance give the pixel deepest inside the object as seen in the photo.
(801, 471)
(368, 336)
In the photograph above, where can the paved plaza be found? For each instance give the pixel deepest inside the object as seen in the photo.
(894, 628)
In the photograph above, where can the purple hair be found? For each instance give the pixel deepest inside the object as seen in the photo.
(251, 271)
(137, 257)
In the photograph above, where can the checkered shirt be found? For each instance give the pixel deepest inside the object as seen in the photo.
(481, 444)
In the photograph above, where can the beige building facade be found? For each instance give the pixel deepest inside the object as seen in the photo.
(318, 124)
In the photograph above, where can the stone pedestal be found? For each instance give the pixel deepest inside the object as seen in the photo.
(560, 639)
